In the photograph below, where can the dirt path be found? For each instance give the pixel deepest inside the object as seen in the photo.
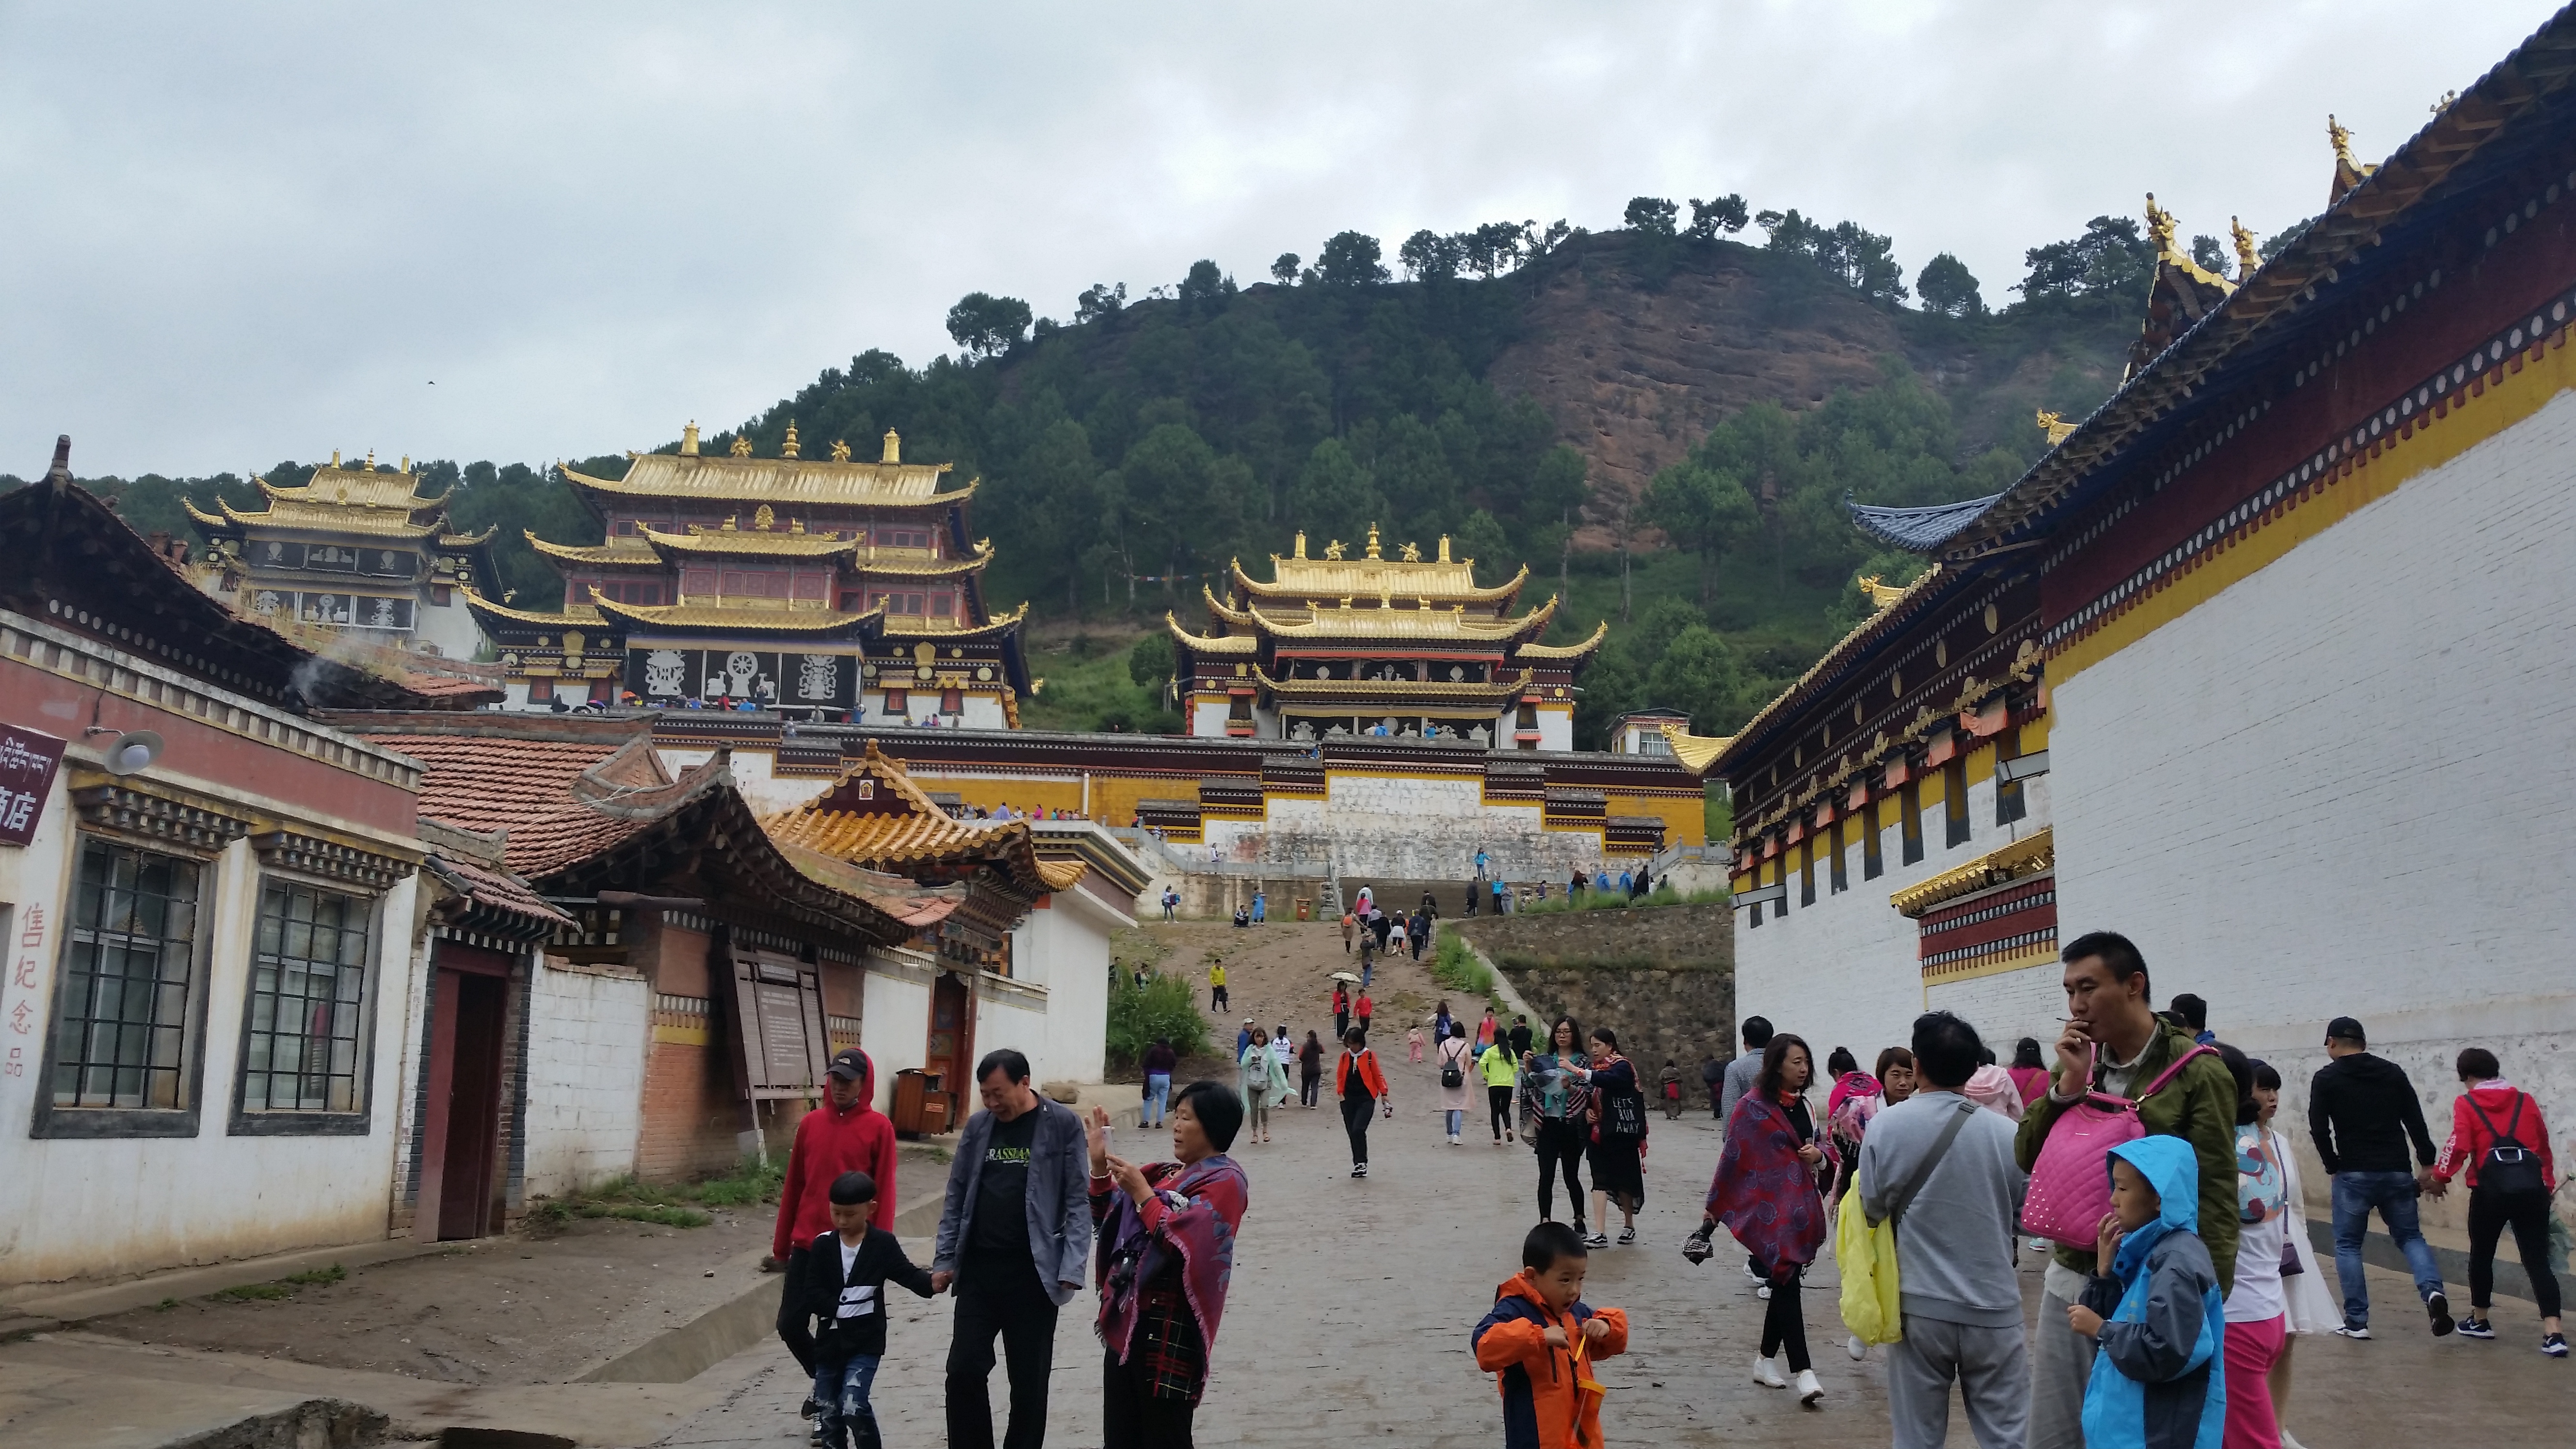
(1282, 972)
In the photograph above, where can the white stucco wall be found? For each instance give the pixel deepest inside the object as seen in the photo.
(2343, 785)
(1847, 971)
(1065, 948)
(107, 1207)
(1010, 1014)
(894, 1022)
(587, 1031)
(450, 626)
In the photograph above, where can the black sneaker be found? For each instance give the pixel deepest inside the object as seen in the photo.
(1628, 1239)
(1597, 1240)
(2476, 1327)
(2554, 1344)
(2437, 1306)
(1359, 1169)
(1580, 1230)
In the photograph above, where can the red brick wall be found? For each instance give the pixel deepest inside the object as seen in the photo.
(691, 1113)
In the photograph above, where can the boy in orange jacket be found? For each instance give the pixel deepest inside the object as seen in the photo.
(1540, 1343)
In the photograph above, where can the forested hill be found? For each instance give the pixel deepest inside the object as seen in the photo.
(1660, 419)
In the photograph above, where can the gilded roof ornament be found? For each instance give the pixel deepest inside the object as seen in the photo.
(840, 450)
(1880, 595)
(1412, 553)
(741, 445)
(2248, 260)
(335, 457)
(1301, 545)
(371, 460)
(893, 447)
(2056, 427)
(1334, 550)
(689, 439)
(762, 517)
(2348, 173)
(1372, 543)
(788, 448)
(1444, 548)
(2160, 225)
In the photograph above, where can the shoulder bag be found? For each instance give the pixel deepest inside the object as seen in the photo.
(1866, 1251)
(2070, 1188)
(2508, 1166)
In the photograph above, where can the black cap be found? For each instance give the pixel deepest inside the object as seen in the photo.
(850, 1064)
(2345, 1028)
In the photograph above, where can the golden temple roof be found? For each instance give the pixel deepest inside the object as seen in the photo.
(915, 626)
(378, 502)
(610, 554)
(1346, 622)
(746, 542)
(910, 563)
(1579, 650)
(1696, 752)
(1244, 644)
(768, 614)
(580, 616)
(1374, 576)
(777, 481)
(2022, 858)
(874, 815)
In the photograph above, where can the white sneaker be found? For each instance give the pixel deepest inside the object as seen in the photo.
(2288, 1442)
(1809, 1391)
(1763, 1292)
(1768, 1376)
(1857, 1349)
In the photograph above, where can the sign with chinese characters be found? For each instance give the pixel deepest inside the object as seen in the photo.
(16, 1008)
(788, 680)
(28, 760)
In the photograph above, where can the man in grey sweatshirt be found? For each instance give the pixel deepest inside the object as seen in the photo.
(1955, 1273)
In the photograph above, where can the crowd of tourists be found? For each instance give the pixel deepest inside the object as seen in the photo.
(2139, 1151)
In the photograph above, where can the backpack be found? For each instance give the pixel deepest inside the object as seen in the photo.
(2070, 1189)
(2508, 1166)
(1450, 1074)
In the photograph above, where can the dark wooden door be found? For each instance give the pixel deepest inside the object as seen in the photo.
(949, 1054)
(461, 1123)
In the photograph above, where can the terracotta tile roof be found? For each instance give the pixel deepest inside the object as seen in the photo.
(496, 890)
(906, 900)
(544, 787)
(449, 692)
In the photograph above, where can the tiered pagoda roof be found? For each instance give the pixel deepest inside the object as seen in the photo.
(338, 501)
(1407, 604)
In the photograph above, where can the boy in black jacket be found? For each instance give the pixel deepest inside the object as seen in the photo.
(844, 1285)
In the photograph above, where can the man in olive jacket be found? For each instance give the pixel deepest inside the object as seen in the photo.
(2111, 1016)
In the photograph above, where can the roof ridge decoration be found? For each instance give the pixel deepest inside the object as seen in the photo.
(2348, 173)
(2181, 293)
(1865, 633)
(1578, 650)
(579, 616)
(2537, 71)
(2033, 854)
(1695, 752)
(921, 833)
(785, 481)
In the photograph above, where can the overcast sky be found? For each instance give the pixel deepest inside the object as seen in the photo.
(241, 233)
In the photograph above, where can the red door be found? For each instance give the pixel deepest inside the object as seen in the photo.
(949, 1053)
(461, 1121)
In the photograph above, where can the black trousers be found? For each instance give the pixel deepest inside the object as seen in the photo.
(1022, 1313)
(1498, 1104)
(1132, 1418)
(1355, 1120)
(1309, 1088)
(1217, 999)
(1560, 1146)
(795, 1325)
(2527, 1213)
(1784, 1323)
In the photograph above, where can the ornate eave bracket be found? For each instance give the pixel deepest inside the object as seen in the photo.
(166, 822)
(330, 860)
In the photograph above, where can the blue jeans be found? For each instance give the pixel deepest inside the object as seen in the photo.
(842, 1393)
(2393, 1193)
(1158, 1096)
(1457, 1122)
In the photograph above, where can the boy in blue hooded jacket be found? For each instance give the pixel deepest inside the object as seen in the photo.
(2159, 1378)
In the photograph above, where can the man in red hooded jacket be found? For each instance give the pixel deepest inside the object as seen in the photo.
(846, 1134)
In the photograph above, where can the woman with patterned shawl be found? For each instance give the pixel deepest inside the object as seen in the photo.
(1765, 1193)
(1166, 1248)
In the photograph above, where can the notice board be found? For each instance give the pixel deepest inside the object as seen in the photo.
(782, 1044)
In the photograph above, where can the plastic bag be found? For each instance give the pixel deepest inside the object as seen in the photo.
(1866, 1256)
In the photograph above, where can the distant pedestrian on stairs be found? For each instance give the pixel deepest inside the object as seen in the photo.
(1341, 1011)
(1350, 927)
(1216, 987)
(1361, 1085)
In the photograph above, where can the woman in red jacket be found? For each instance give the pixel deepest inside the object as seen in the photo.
(2499, 1137)
(1361, 1086)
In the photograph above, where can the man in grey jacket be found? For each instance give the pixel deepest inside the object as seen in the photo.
(1015, 1237)
(1955, 1273)
(1741, 1071)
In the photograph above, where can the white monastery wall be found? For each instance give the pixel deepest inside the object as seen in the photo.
(2343, 786)
(1009, 1014)
(1406, 827)
(894, 1018)
(1068, 944)
(587, 1029)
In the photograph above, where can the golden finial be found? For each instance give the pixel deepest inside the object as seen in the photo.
(1444, 548)
(2160, 225)
(1372, 543)
(689, 439)
(1412, 553)
(733, 523)
(371, 460)
(2349, 173)
(2340, 136)
(761, 517)
(840, 451)
(2447, 100)
(1879, 595)
(1301, 544)
(741, 445)
(788, 448)
(2248, 261)
(406, 462)
(796, 525)
(2056, 427)
(893, 447)
(335, 457)
(983, 545)
(1334, 550)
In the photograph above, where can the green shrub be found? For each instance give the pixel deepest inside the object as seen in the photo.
(1455, 966)
(1164, 1007)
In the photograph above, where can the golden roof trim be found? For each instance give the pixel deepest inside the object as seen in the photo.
(900, 626)
(1389, 623)
(611, 552)
(1832, 658)
(580, 616)
(2029, 856)
(329, 518)
(776, 481)
(1452, 581)
(1600, 632)
(693, 614)
(1695, 752)
(735, 542)
(1210, 643)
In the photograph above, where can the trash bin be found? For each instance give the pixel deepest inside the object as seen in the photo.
(1305, 908)
(920, 1108)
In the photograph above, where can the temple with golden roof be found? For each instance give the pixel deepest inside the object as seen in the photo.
(1403, 647)
(356, 549)
(827, 588)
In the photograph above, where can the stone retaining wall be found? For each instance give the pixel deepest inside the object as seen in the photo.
(1663, 978)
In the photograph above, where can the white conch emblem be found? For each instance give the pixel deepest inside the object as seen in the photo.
(662, 672)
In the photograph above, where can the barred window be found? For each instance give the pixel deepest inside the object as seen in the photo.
(308, 984)
(121, 1030)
